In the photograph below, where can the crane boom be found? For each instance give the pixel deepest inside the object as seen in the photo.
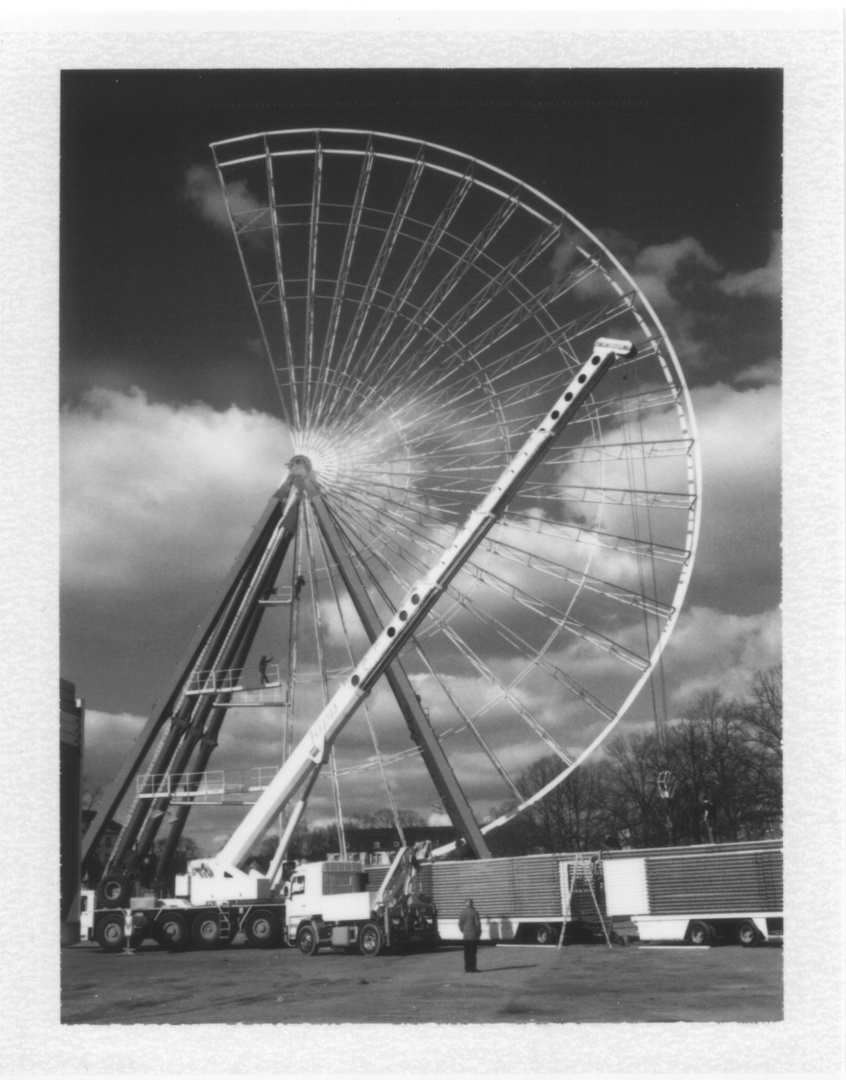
(312, 751)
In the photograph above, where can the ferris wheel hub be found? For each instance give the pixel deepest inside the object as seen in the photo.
(299, 465)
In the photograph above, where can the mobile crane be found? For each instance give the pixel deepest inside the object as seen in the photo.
(217, 897)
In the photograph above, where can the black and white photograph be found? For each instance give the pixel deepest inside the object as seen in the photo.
(423, 566)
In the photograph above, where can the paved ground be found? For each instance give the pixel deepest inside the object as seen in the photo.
(583, 983)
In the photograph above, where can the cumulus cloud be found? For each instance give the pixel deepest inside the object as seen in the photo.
(713, 650)
(739, 557)
(699, 300)
(664, 271)
(202, 189)
(144, 483)
(767, 373)
(109, 738)
(763, 281)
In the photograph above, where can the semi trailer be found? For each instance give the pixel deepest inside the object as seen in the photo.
(700, 894)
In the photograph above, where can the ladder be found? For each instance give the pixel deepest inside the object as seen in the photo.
(224, 923)
(583, 869)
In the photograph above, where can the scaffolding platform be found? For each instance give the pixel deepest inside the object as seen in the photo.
(281, 596)
(206, 788)
(214, 682)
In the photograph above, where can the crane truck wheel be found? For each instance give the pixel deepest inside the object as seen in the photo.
(206, 931)
(114, 891)
(307, 940)
(172, 932)
(747, 934)
(371, 940)
(262, 928)
(110, 933)
(544, 934)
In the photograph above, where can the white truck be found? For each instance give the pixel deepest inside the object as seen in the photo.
(324, 904)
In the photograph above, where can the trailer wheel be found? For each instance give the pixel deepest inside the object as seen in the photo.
(113, 891)
(262, 928)
(171, 931)
(371, 940)
(544, 934)
(700, 933)
(747, 934)
(110, 933)
(307, 940)
(206, 931)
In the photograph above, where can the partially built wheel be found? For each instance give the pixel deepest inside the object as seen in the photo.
(371, 940)
(421, 311)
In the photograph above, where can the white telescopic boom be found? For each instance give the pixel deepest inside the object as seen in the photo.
(313, 749)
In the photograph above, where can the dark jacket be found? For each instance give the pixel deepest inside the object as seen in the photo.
(470, 924)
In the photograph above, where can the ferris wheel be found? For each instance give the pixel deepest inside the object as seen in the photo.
(420, 310)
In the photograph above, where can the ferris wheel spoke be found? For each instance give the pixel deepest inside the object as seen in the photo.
(314, 227)
(389, 241)
(418, 265)
(506, 633)
(583, 534)
(466, 721)
(278, 294)
(343, 281)
(351, 660)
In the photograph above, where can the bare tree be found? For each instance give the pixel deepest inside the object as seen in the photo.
(724, 758)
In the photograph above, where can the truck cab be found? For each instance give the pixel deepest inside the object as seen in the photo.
(328, 904)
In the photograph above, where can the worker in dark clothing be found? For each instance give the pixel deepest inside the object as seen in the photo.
(265, 660)
(470, 926)
(298, 586)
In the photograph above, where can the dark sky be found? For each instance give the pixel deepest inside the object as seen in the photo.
(150, 297)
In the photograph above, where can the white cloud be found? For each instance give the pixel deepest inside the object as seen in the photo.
(144, 483)
(740, 440)
(693, 293)
(108, 741)
(765, 374)
(660, 267)
(203, 191)
(714, 650)
(763, 281)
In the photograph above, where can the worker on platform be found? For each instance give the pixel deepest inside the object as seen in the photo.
(265, 660)
(470, 926)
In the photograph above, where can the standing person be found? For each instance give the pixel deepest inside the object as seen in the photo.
(470, 926)
(265, 660)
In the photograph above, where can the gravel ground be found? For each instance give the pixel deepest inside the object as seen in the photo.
(543, 985)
